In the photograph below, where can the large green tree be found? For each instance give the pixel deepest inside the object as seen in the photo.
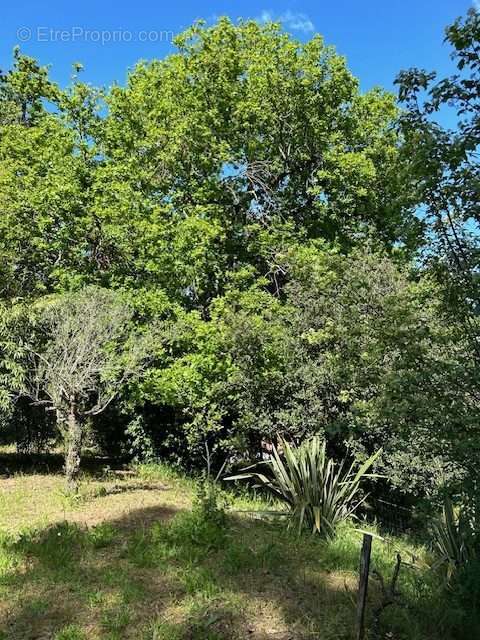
(241, 142)
(208, 161)
(249, 201)
(48, 229)
(444, 167)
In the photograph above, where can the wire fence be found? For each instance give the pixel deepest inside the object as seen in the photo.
(394, 518)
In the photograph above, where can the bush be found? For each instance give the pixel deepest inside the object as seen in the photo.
(203, 529)
(210, 503)
(28, 427)
(465, 596)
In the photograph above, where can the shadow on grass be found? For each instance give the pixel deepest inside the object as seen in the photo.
(160, 574)
(146, 575)
(70, 576)
(125, 487)
(12, 463)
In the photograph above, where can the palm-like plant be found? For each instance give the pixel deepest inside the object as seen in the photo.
(455, 537)
(318, 492)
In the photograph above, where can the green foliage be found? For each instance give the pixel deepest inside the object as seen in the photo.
(355, 348)
(29, 427)
(220, 173)
(70, 632)
(15, 331)
(102, 535)
(455, 537)
(141, 447)
(164, 631)
(210, 502)
(265, 255)
(464, 595)
(156, 472)
(444, 168)
(318, 492)
(115, 620)
(203, 530)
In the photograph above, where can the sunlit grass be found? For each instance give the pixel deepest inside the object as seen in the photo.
(130, 559)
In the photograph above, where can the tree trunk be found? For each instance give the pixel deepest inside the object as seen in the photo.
(73, 448)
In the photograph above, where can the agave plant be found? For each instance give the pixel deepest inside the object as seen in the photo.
(454, 536)
(317, 491)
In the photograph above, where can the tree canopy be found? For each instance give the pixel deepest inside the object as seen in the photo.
(302, 256)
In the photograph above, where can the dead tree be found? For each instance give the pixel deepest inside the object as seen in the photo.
(390, 595)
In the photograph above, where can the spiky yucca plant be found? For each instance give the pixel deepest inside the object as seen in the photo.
(455, 537)
(318, 492)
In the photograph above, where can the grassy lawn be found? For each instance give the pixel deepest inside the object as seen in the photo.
(130, 559)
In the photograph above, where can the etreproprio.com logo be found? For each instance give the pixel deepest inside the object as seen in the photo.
(96, 36)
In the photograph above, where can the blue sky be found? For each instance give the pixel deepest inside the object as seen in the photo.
(379, 37)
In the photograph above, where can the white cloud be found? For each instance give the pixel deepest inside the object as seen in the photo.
(290, 20)
(476, 4)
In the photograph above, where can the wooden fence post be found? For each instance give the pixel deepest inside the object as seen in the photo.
(363, 584)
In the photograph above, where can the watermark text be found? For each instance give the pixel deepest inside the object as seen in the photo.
(96, 36)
